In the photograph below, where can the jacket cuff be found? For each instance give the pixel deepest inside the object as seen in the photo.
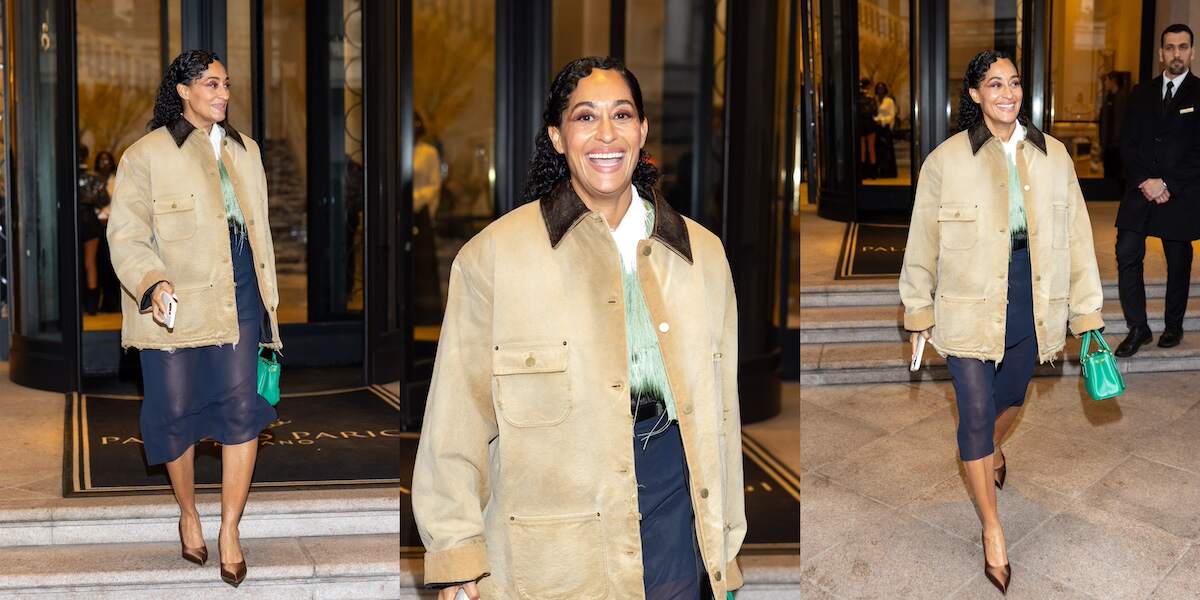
(467, 562)
(919, 320)
(733, 576)
(1085, 323)
(151, 279)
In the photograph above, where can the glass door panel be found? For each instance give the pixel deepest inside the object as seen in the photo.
(975, 26)
(35, 189)
(1096, 51)
(118, 70)
(883, 102)
(453, 146)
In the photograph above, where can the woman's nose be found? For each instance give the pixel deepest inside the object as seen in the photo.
(607, 131)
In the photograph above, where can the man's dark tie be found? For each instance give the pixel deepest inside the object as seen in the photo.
(1167, 96)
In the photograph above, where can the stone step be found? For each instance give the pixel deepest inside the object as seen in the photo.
(887, 362)
(765, 578)
(70, 521)
(844, 324)
(885, 293)
(352, 566)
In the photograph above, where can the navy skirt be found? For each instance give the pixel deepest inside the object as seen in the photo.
(984, 389)
(671, 564)
(211, 391)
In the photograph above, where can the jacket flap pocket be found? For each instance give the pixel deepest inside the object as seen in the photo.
(547, 357)
(957, 212)
(174, 203)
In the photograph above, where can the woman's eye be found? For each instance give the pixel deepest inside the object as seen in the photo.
(622, 115)
(585, 117)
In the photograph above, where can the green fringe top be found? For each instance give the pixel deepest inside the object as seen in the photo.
(647, 373)
(233, 212)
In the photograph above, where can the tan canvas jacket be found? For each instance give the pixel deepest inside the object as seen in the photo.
(168, 223)
(525, 465)
(955, 273)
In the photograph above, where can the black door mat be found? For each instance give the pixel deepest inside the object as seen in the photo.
(339, 438)
(871, 251)
(772, 501)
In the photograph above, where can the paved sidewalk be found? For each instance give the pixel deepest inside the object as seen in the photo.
(1102, 499)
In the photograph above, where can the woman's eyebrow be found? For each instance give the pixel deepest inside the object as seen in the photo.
(592, 105)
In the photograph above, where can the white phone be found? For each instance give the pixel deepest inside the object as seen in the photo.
(916, 360)
(172, 305)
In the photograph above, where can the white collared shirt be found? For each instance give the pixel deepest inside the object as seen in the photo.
(1010, 147)
(630, 231)
(1174, 89)
(215, 135)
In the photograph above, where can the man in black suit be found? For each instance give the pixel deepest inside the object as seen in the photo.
(1160, 145)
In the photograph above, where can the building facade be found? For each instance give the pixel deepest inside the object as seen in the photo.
(392, 132)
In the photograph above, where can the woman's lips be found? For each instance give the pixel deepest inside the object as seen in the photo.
(606, 162)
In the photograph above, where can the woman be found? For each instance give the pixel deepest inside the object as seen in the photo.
(93, 197)
(590, 338)
(189, 222)
(867, 106)
(105, 167)
(885, 121)
(992, 278)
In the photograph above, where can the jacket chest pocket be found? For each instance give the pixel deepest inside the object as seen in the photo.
(175, 217)
(957, 226)
(530, 383)
(1061, 231)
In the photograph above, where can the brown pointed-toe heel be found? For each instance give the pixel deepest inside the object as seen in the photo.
(233, 573)
(195, 555)
(999, 576)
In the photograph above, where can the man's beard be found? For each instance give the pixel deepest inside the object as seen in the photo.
(1176, 68)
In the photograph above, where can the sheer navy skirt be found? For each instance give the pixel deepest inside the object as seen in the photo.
(211, 391)
(984, 389)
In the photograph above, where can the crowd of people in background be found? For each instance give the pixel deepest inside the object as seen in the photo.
(101, 290)
(876, 120)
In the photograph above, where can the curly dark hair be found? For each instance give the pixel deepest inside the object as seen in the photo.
(548, 168)
(186, 68)
(969, 112)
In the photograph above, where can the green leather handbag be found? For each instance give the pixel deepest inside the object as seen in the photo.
(268, 376)
(1100, 371)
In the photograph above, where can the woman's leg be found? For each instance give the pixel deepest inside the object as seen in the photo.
(90, 248)
(973, 389)
(1011, 385)
(237, 468)
(183, 474)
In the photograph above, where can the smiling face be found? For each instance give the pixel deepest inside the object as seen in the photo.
(999, 95)
(1176, 53)
(601, 137)
(206, 99)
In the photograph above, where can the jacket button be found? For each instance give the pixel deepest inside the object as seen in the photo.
(717, 576)
(646, 251)
(956, 213)
(1039, 321)
(173, 205)
(704, 493)
(664, 327)
(529, 362)
(1027, 187)
(1038, 278)
(687, 408)
(262, 265)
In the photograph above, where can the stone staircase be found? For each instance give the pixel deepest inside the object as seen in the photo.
(340, 543)
(854, 333)
(288, 206)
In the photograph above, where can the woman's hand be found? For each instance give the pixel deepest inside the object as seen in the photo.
(470, 588)
(156, 301)
(913, 341)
